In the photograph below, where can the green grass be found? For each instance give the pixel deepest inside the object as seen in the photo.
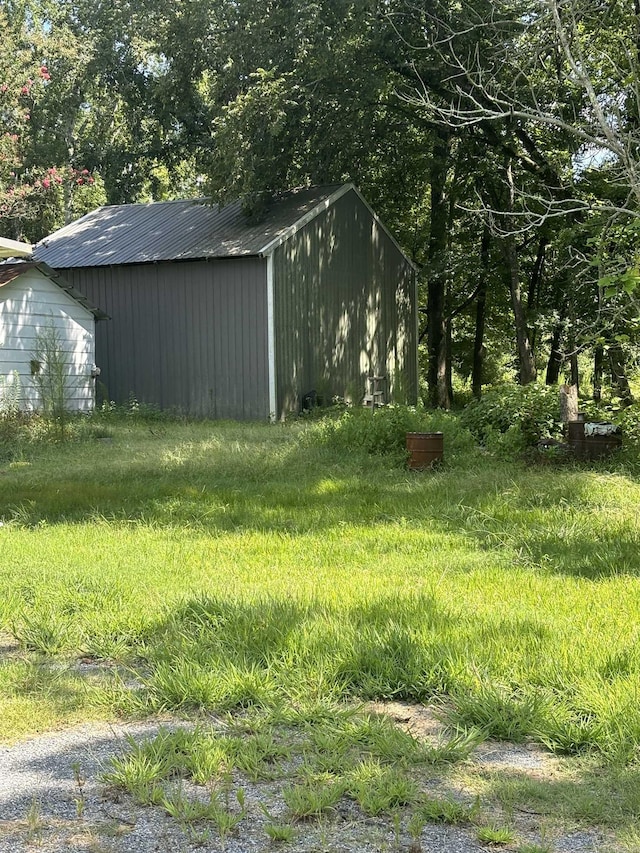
(230, 566)
(495, 835)
(276, 579)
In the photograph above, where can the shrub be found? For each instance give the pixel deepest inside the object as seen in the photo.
(14, 432)
(383, 431)
(134, 410)
(516, 416)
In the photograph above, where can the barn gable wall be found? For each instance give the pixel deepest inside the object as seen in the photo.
(30, 304)
(183, 335)
(344, 298)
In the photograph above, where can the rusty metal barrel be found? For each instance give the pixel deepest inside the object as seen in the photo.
(426, 450)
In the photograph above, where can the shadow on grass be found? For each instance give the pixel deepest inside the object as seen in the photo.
(218, 654)
(586, 793)
(546, 518)
(214, 655)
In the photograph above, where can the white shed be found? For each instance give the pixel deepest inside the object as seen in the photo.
(36, 303)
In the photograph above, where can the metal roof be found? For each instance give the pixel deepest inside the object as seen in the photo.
(9, 271)
(180, 230)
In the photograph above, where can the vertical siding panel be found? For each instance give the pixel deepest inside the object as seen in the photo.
(208, 367)
(208, 323)
(156, 342)
(193, 386)
(229, 358)
(236, 340)
(216, 382)
(180, 343)
(251, 331)
(200, 308)
(179, 330)
(222, 298)
(341, 286)
(246, 330)
(245, 327)
(165, 355)
(186, 345)
(190, 346)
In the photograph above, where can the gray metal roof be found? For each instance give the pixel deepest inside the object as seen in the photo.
(179, 230)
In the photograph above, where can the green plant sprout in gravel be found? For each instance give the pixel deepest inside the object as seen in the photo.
(495, 835)
(282, 833)
(371, 776)
(447, 811)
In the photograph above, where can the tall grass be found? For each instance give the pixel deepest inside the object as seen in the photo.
(234, 565)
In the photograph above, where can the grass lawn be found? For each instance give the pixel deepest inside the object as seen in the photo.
(219, 566)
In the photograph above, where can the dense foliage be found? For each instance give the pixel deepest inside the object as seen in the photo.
(533, 411)
(383, 431)
(499, 143)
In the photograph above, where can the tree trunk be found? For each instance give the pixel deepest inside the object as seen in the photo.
(437, 261)
(445, 381)
(571, 336)
(556, 357)
(481, 307)
(556, 354)
(527, 365)
(575, 373)
(568, 403)
(535, 282)
(619, 374)
(598, 369)
(536, 275)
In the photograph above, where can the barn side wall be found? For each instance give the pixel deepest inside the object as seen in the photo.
(345, 306)
(33, 305)
(189, 336)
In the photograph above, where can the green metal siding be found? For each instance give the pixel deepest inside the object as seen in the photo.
(185, 335)
(345, 308)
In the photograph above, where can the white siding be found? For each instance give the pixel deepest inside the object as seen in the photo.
(29, 304)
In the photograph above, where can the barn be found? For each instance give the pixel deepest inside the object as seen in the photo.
(42, 315)
(216, 315)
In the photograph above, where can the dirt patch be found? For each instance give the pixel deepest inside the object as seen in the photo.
(9, 647)
(422, 721)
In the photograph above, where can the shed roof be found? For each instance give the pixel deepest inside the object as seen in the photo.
(181, 230)
(9, 271)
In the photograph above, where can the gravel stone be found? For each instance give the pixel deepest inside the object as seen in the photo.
(43, 809)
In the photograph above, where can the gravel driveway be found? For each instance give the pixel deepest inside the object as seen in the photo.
(52, 799)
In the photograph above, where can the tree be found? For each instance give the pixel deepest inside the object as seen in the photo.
(546, 87)
(22, 77)
(469, 127)
(39, 191)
